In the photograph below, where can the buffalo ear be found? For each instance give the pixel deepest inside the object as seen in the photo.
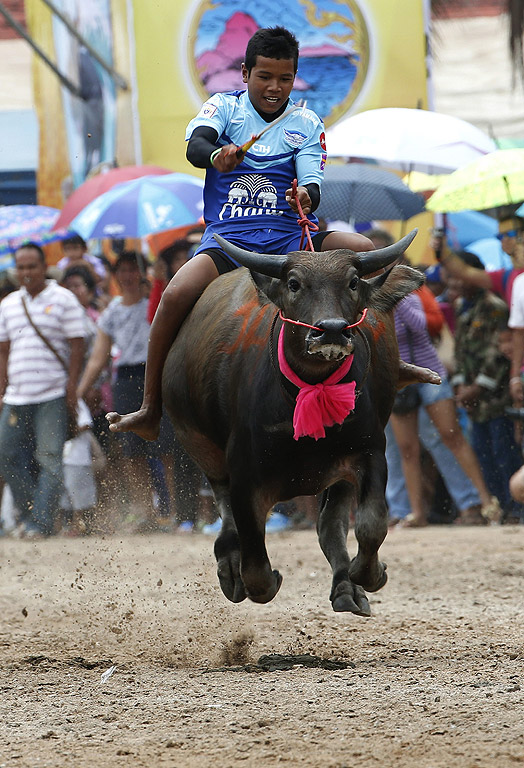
(269, 286)
(388, 289)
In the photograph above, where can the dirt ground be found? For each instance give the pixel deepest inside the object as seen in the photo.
(433, 679)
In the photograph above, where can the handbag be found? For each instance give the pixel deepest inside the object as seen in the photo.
(408, 398)
(72, 423)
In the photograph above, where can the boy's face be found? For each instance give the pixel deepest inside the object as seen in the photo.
(269, 83)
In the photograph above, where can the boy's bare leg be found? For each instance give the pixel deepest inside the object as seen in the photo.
(177, 301)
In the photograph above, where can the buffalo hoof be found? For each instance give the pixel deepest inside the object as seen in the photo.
(229, 577)
(350, 598)
(270, 593)
(369, 578)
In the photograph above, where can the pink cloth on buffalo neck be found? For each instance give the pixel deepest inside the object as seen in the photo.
(318, 405)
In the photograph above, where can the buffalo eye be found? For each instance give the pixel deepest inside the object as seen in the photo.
(293, 285)
(354, 283)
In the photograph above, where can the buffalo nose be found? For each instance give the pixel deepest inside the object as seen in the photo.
(332, 325)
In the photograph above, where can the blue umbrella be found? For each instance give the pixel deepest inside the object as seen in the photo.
(358, 192)
(141, 207)
(489, 250)
(464, 227)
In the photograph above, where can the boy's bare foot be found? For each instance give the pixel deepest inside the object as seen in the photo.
(142, 422)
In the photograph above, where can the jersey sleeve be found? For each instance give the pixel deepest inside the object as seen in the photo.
(311, 157)
(214, 113)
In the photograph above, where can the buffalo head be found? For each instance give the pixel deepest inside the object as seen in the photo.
(326, 290)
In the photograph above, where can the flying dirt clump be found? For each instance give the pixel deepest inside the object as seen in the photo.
(237, 650)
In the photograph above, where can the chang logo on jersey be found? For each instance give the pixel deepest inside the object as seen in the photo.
(295, 138)
(250, 195)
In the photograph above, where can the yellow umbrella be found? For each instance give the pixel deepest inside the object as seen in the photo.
(493, 180)
(418, 181)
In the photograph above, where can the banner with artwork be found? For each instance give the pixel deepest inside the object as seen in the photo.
(354, 55)
(89, 125)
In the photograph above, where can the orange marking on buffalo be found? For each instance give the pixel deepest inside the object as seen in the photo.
(248, 335)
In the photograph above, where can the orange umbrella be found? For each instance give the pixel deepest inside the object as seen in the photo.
(160, 240)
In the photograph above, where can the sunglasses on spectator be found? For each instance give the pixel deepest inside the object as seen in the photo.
(509, 233)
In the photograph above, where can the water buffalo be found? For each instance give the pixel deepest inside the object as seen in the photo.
(233, 409)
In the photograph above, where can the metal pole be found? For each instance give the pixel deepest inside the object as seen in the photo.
(21, 31)
(119, 80)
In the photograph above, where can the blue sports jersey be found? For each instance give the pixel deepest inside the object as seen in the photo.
(253, 195)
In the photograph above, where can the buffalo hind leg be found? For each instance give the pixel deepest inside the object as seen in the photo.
(332, 527)
(227, 548)
(371, 526)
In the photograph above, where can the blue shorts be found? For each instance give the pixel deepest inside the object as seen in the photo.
(258, 240)
(432, 393)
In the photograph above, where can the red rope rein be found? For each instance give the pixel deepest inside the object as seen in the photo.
(307, 225)
(316, 328)
(303, 221)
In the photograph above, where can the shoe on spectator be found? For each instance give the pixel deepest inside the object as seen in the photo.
(471, 516)
(492, 511)
(278, 522)
(214, 528)
(186, 527)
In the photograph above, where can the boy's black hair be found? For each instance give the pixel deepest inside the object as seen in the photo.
(85, 273)
(35, 247)
(272, 43)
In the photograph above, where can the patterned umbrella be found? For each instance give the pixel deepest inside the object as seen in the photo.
(141, 207)
(17, 221)
(357, 192)
(103, 182)
(20, 224)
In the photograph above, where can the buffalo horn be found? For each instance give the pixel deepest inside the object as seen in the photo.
(372, 261)
(265, 263)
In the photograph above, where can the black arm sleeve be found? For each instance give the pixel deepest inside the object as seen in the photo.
(200, 146)
(314, 193)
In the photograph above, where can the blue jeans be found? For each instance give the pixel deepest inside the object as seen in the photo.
(499, 457)
(460, 487)
(31, 444)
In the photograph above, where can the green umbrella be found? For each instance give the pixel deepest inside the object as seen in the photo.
(493, 180)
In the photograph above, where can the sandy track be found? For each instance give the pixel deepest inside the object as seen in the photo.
(433, 679)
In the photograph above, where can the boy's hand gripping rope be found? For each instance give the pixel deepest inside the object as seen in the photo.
(303, 221)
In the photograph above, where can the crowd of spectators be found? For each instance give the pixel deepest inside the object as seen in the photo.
(454, 451)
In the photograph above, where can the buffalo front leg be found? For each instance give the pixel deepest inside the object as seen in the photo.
(371, 525)
(250, 511)
(332, 527)
(227, 548)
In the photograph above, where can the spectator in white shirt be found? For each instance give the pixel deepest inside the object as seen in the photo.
(37, 388)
